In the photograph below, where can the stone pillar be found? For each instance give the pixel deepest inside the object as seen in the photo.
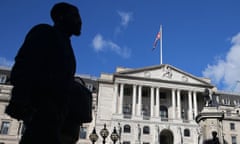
(195, 103)
(134, 100)
(173, 104)
(121, 99)
(157, 103)
(139, 101)
(179, 105)
(190, 114)
(152, 101)
(115, 97)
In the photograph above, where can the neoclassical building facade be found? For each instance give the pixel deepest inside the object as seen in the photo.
(156, 104)
(151, 105)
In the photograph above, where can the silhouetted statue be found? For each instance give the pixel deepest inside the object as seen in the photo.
(207, 98)
(214, 140)
(43, 79)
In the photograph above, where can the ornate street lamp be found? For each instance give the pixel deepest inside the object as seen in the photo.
(104, 133)
(93, 136)
(114, 135)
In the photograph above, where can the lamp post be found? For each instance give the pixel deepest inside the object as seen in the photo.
(114, 135)
(104, 133)
(93, 136)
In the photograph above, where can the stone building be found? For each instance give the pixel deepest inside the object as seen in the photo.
(222, 117)
(159, 104)
(149, 105)
(11, 130)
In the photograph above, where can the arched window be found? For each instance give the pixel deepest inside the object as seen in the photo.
(186, 132)
(126, 129)
(146, 130)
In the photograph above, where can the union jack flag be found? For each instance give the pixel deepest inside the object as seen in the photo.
(158, 36)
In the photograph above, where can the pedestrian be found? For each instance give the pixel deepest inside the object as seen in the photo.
(43, 75)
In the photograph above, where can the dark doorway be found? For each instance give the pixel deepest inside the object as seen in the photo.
(166, 137)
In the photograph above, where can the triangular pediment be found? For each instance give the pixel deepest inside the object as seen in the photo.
(162, 72)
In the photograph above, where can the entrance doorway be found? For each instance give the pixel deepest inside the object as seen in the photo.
(166, 137)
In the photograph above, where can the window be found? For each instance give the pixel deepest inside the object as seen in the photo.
(83, 133)
(234, 140)
(146, 130)
(89, 86)
(126, 129)
(5, 127)
(186, 132)
(163, 95)
(145, 91)
(163, 112)
(3, 78)
(21, 128)
(127, 109)
(232, 126)
(128, 90)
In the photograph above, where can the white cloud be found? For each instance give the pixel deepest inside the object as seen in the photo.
(126, 17)
(100, 44)
(226, 71)
(4, 62)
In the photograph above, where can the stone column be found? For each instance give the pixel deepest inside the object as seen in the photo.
(139, 101)
(179, 105)
(121, 99)
(195, 103)
(157, 103)
(115, 97)
(173, 104)
(152, 101)
(134, 100)
(190, 116)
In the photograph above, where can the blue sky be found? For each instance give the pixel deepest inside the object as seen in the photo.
(200, 37)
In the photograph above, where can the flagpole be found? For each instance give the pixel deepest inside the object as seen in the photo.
(161, 44)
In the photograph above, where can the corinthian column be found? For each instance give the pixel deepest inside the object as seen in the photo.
(179, 104)
(134, 100)
(190, 116)
(115, 98)
(152, 101)
(121, 99)
(195, 103)
(157, 103)
(173, 104)
(139, 100)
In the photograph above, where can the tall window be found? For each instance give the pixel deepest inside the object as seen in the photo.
(83, 133)
(5, 127)
(21, 128)
(128, 90)
(3, 78)
(232, 126)
(234, 140)
(163, 112)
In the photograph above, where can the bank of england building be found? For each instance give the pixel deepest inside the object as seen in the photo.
(151, 105)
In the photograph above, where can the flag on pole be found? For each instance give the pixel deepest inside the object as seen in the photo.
(158, 36)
